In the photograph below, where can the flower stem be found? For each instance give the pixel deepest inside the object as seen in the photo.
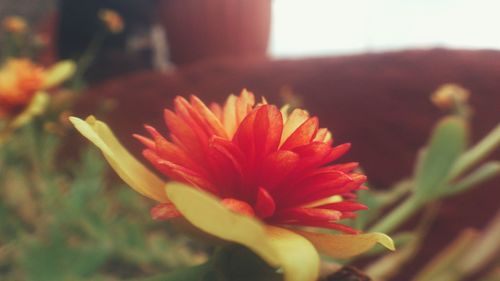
(399, 215)
(86, 59)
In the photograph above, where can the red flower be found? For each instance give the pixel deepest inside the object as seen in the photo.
(251, 171)
(261, 161)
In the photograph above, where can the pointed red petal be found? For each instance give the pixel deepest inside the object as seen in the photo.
(303, 135)
(315, 187)
(227, 166)
(277, 166)
(171, 152)
(186, 136)
(348, 215)
(345, 206)
(149, 143)
(206, 117)
(265, 205)
(178, 173)
(312, 154)
(337, 152)
(267, 130)
(345, 167)
(244, 137)
(327, 224)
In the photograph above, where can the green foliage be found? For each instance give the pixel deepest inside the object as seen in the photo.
(438, 173)
(64, 220)
(447, 142)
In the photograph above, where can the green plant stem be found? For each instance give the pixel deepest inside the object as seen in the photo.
(86, 59)
(399, 215)
(477, 153)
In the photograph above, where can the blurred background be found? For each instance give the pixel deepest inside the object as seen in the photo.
(365, 68)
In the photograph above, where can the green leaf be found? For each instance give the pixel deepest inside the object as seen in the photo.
(447, 142)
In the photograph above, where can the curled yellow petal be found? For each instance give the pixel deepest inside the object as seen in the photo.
(277, 246)
(344, 246)
(59, 73)
(205, 212)
(125, 165)
(298, 257)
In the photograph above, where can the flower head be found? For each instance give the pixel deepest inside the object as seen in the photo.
(249, 173)
(112, 20)
(20, 79)
(258, 160)
(22, 82)
(14, 24)
(447, 95)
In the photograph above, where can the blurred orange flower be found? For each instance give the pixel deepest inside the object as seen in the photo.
(447, 95)
(22, 86)
(249, 173)
(20, 79)
(14, 24)
(112, 20)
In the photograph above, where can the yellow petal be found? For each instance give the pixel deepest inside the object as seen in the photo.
(229, 115)
(58, 73)
(344, 246)
(277, 246)
(298, 257)
(208, 214)
(125, 165)
(36, 107)
(284, 112)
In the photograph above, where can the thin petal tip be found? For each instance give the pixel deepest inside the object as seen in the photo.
(386, 241)
(73, 119)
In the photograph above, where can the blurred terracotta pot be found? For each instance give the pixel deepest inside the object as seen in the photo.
(199, 29)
